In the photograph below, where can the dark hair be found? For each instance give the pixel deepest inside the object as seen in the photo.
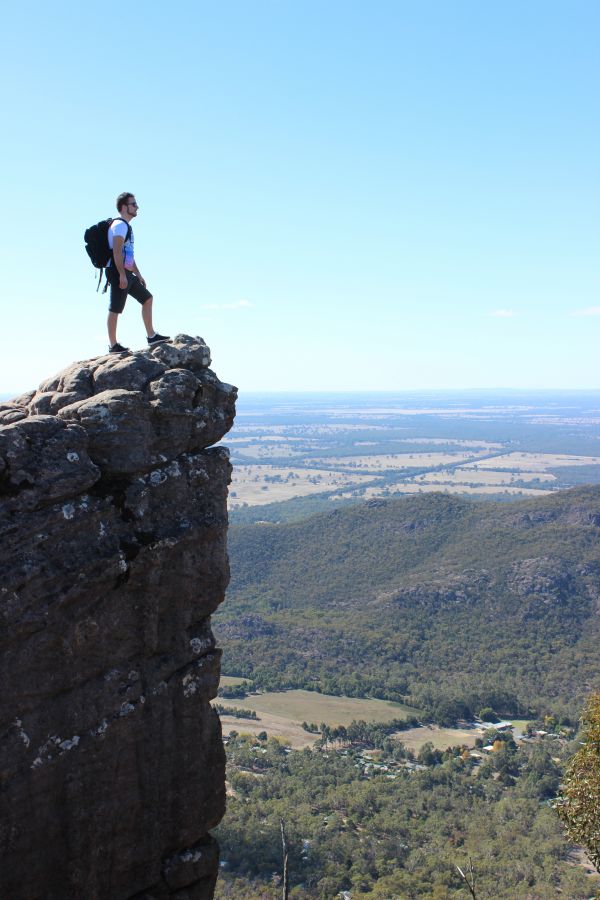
(123, 199)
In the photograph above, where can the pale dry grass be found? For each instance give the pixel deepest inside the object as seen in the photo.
(534, 462)
(309, 706)
(275, 726)
(452, 442)
(482, 476)
(252, 484)
(441, 738)
(395, 460)
(264, 451)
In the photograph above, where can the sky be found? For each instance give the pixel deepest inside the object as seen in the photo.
(341, 196)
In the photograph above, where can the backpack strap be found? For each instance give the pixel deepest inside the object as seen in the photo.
(119, 219)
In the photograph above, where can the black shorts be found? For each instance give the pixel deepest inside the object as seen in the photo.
(118, 295)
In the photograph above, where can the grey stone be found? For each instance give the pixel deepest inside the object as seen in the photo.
(49, 402)
(130, 372)
(183, 352)
(113, 547)
(188, 866)
(44, 460)
(119, 428)
(11, 412)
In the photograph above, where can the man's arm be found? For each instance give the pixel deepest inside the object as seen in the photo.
(118, 260)
(137, 272)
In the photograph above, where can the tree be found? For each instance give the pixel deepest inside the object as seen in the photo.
(428, 755)
(579, 802)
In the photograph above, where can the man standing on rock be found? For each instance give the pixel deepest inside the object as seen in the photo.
(124, 277)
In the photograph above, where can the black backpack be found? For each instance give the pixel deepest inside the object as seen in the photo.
(96, 243)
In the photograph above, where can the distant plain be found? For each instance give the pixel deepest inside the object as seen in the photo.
(332, 449)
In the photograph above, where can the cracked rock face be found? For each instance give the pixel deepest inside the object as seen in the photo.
(113, 546)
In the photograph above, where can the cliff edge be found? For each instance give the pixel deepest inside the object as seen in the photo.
(113, 530)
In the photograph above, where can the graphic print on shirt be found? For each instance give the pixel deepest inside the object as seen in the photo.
(119, 229)
(128, 252)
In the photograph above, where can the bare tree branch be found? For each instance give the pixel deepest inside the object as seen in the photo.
(286, 876)
(470, 879)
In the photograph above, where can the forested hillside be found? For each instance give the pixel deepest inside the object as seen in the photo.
(445, 604)
(383, 832)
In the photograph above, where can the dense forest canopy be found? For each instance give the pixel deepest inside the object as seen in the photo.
(447, 605)
(380, 830)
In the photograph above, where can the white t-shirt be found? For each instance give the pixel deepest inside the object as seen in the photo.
(119, 229)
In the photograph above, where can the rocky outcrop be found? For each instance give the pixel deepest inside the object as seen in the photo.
(113, 548)
(447, 589)
(548, 580)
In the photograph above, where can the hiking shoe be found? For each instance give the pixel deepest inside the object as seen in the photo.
(157, 339)
(118, 348)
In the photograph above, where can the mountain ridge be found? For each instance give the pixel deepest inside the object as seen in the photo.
(440, 602)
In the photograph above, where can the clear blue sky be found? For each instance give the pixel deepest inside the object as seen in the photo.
(335, 195)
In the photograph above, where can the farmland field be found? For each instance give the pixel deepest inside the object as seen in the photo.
(534, 462)
(441, 738)
(488, 477)
(309, 706)
(256, 485)
(397, 460)
(290, 732)
(309, 451)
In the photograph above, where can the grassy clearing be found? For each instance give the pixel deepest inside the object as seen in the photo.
(230, 680)
(483, 477)
(441, 738)
(453, 442)
(278, 449)
(396, 460)
(534, 462)
(254, 484)
(275, 726)
(519, 726)
(308, 706)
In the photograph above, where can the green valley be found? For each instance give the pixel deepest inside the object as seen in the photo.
(431, 601)
(400, 568)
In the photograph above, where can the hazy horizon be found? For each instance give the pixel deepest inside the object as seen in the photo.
(455, 393)
(245, 395)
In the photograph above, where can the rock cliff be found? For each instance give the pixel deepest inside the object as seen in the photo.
(113, 532)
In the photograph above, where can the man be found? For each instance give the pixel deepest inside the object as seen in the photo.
(124, 277)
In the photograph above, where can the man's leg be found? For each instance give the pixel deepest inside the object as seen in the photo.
(112, 328)
(144, 297)
(147, 317)
(118, 296)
